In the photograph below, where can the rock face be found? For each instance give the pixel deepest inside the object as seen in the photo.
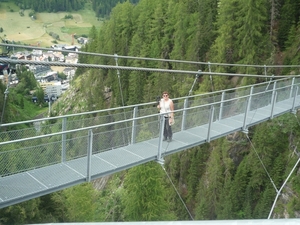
(99, 184)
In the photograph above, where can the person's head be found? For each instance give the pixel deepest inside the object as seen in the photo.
(165, 95)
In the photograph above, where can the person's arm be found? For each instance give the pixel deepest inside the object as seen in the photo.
(158, 98)
(158, 105)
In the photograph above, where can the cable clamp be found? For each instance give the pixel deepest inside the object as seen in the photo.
(161, 161)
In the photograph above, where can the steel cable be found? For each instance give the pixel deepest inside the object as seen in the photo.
(145, 58)
(262, 164)
(178, 193)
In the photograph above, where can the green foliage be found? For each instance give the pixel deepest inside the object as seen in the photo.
(220, 180)
(32, 14)
(62, 76)
(289, 16)
(27, 81)
(23, 213)
(50, 5)
(196, 169)
(76, 204)
(110, 207)
(145, 194)
(104, 7)
(292, 49)
(210, 185)
(69, 16)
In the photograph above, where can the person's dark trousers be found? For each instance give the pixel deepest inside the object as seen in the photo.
(167, 130)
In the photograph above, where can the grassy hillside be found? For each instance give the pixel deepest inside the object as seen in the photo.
(26, 30)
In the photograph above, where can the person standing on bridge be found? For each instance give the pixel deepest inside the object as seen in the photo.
(166, 107)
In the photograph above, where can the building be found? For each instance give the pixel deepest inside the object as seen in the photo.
(39, 70)
(52, 89)
(82, 40)
(22, 55)
(58, 46)
(50, 76)
(72, 58)
(69, 72)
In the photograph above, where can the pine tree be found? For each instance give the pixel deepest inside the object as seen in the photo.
(289, 15)
(145, 194)
(292, 56)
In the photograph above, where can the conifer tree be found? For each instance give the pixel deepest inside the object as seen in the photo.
(210, 186)
(22, 213)
(145, 194)
(292, 55)
(289, 15)
(251, 31)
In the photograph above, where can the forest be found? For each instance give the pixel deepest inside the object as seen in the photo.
(51, 5)
(103, 8)
(223, 179)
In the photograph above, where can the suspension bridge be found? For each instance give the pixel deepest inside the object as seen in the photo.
(45, 155)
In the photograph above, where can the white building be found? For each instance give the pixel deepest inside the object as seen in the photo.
(69, 72)
(52, 89)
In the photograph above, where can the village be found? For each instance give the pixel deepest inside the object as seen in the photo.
(46, 76)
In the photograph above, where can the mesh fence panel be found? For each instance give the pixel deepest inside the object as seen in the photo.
(283, 94)
(196, 117)
(76, 147)
(261, 100)
(233, 107)
(33, 129)
(20, 159)
(114, 131)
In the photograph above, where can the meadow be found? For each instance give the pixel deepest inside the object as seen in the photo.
(24, 29)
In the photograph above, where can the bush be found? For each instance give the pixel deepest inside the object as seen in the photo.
(69, 16)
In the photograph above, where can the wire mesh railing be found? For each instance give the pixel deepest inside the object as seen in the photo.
(56, 139)
(60, 139)
(50, 125)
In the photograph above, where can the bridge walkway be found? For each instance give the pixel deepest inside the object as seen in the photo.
(48, 159)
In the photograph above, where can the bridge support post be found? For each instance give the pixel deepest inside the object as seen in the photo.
(273, 99)
(292, 87)
(247, 109)
(63, 139)
(265, 68)
(183, 122)
(294, 101)
(211, 118)
(273, 105)
(222, 105)
(273, 92)
(89, 155)
(248, 103)
(160, 159)
(134, 122)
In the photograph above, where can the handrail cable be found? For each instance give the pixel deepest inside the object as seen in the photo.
(112, 109)
(143, 69)
(94, 126)
(145, 58)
